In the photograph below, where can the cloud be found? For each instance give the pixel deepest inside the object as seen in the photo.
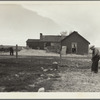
(84, 18)
(28, 20)
(17, 22)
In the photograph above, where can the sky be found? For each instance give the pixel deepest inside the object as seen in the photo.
(20, 21)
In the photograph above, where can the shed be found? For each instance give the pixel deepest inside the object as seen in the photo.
(35, 44)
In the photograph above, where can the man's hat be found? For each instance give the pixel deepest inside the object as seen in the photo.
(92, 47)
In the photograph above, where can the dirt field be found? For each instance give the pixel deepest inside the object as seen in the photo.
(29, 73)
(26, 74)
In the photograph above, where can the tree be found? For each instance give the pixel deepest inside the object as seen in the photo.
(63, 33)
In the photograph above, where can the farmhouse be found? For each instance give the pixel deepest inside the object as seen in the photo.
(73, 43)
(47, 42)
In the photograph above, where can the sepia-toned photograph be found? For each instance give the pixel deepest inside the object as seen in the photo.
(49, 46)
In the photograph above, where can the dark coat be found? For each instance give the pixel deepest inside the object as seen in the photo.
(95, 54)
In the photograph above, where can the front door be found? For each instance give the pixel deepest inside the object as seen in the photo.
(74, 47)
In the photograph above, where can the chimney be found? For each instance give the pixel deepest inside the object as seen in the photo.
(40, 36)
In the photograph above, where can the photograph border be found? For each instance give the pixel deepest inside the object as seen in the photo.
(49, 96)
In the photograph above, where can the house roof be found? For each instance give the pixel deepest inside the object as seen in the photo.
(75, 33)
(33, 40)
(52, 38)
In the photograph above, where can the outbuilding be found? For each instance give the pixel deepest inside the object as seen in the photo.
(35, 44)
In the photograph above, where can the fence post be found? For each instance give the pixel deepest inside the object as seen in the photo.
(60, 55)
(16, 51)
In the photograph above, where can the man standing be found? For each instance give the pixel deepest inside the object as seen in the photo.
(95, 59)
(11, 51)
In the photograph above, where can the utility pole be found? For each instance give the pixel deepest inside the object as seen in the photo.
(60, 55)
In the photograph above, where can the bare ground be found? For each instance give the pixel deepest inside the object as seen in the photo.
(26, 75)
(80, 81)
